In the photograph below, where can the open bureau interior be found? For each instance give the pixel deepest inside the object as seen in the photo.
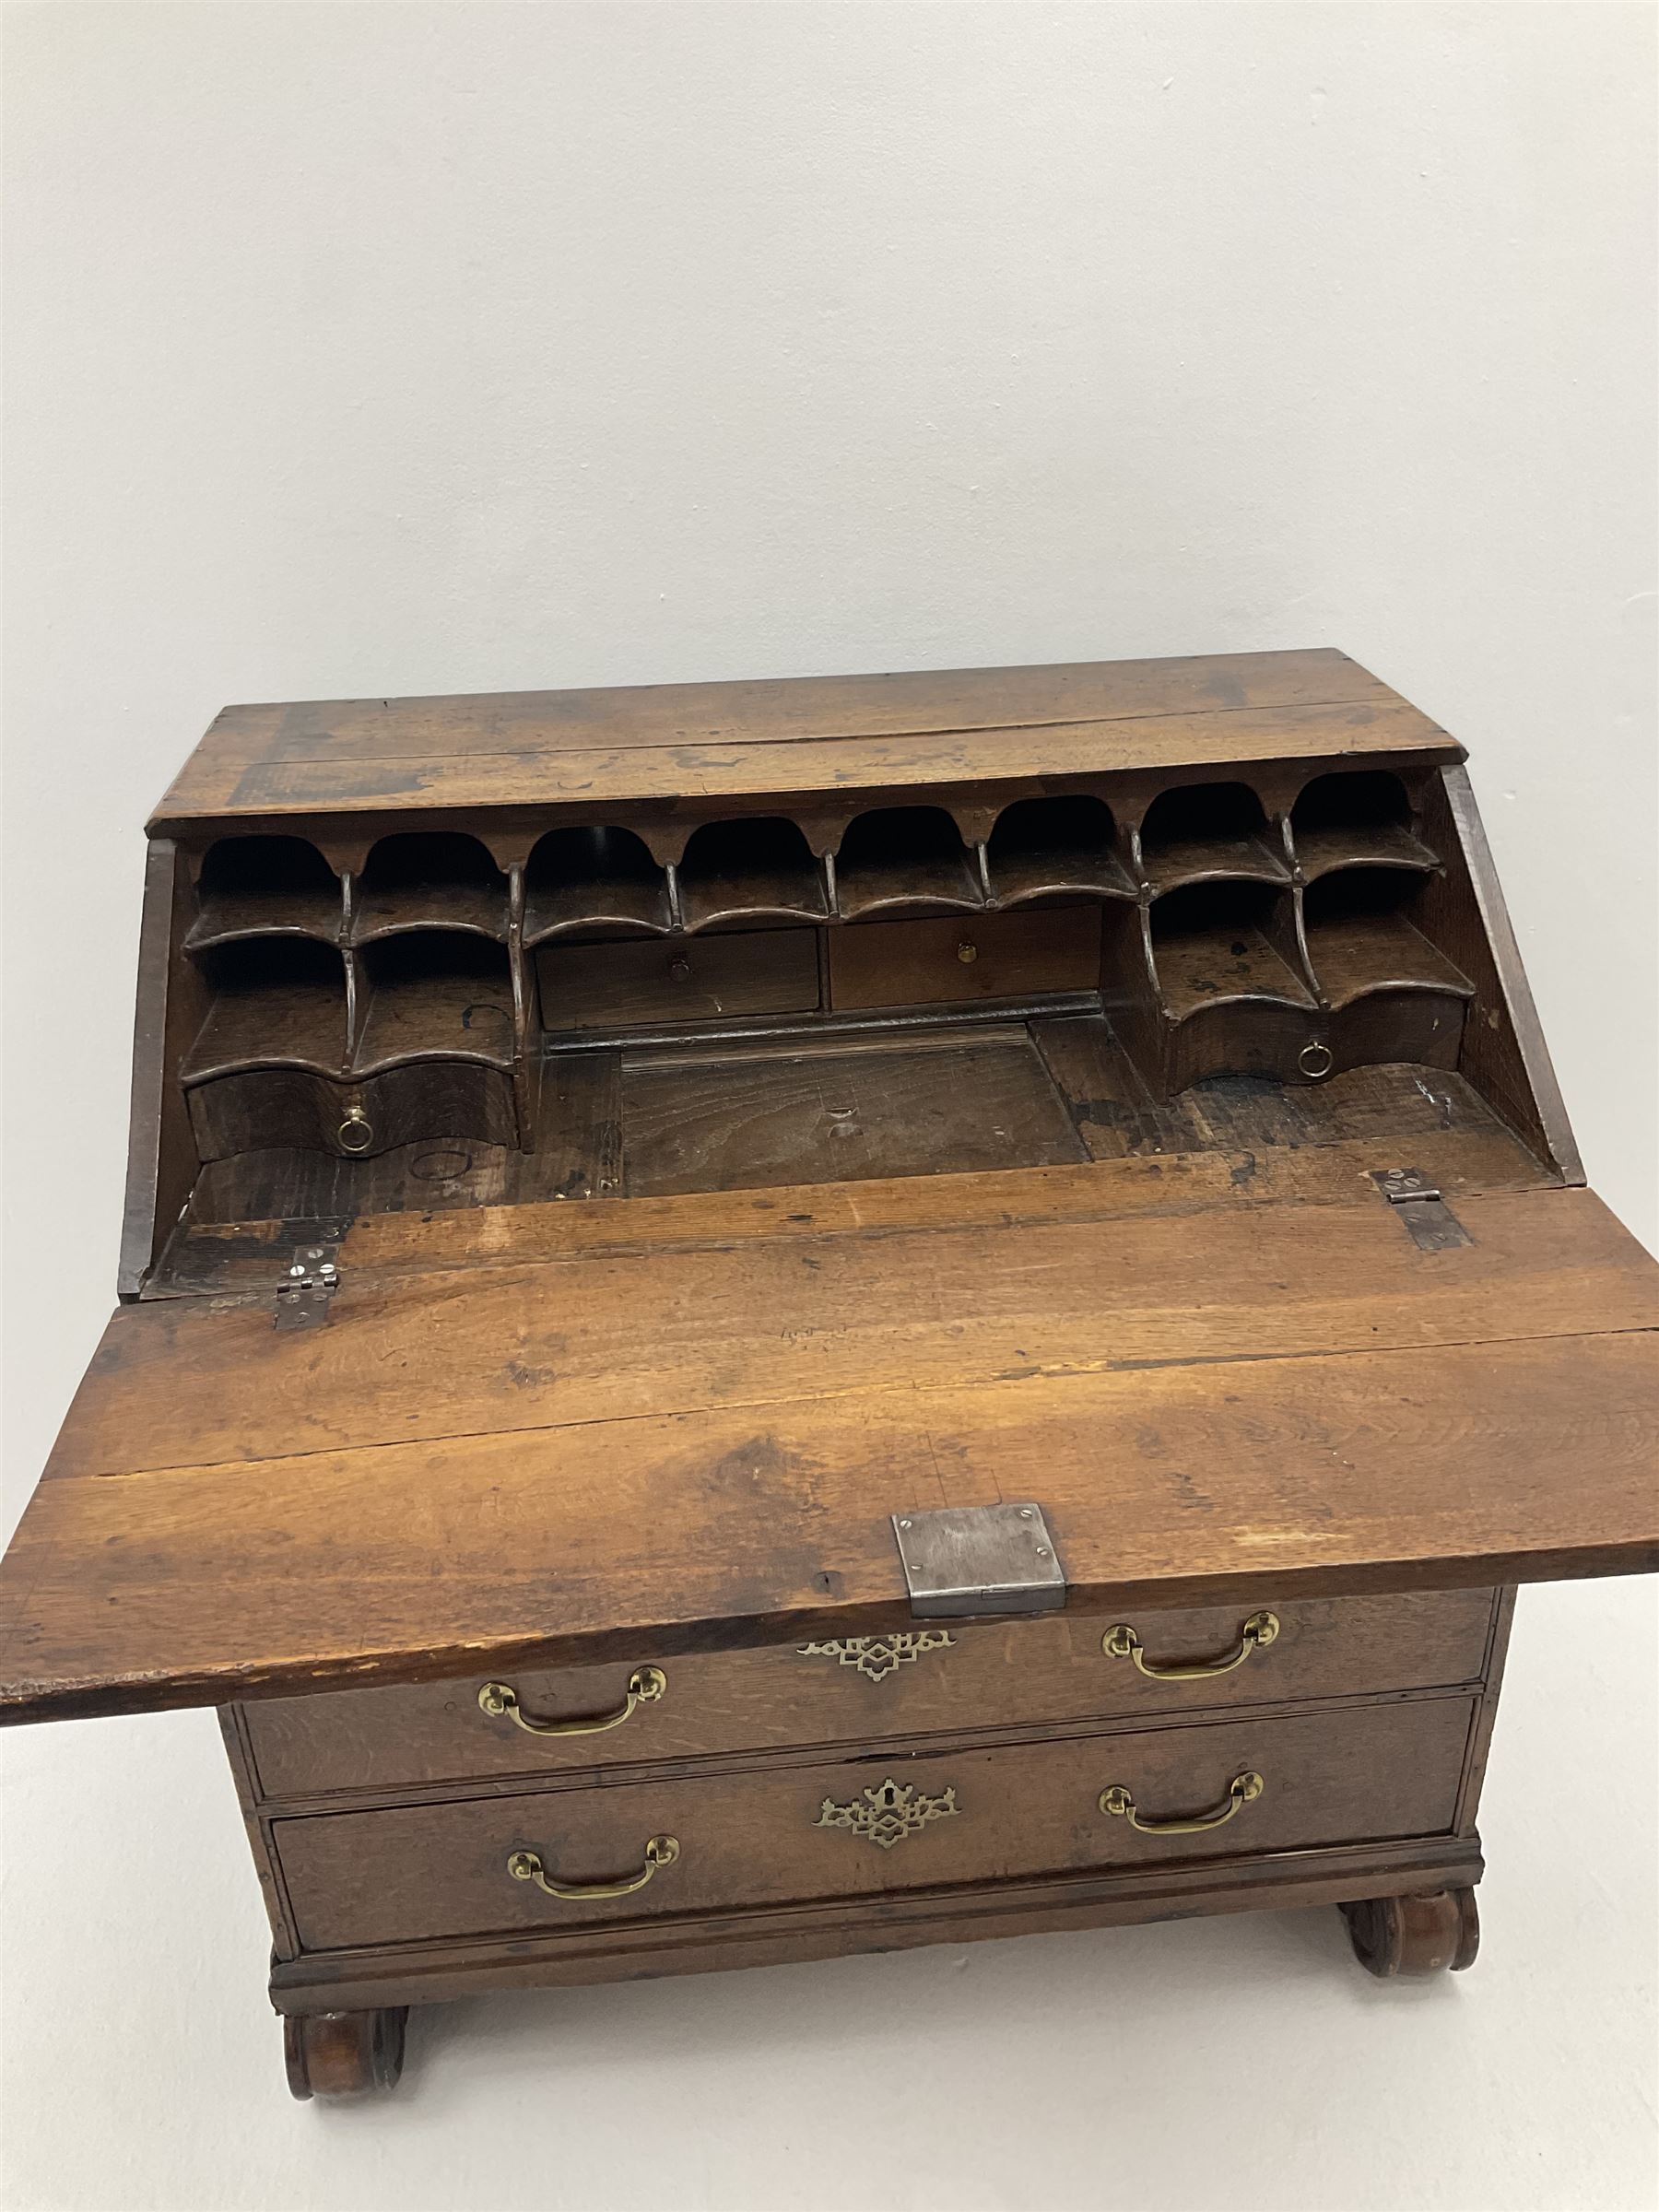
(597, 1002)
(764, 1319)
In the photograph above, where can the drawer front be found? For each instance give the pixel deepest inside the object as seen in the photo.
(679, 978)
(953, 958)
(1297, 1045)
(939, 1678)
(284, 1106)
(660, 1849)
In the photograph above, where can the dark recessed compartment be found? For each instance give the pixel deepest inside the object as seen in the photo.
(434, 994)
(1217, 944)
(736, 873)
(434, 879)
(1047, 850)
(1393, 994)
(1356, 817)
(275, 1002)
(905, 860)
(593, 883)
(251, 886)
(1209, 832)
(1231, 998)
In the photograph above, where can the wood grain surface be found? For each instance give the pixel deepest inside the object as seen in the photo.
(972, 1679)
(830, 1927)
(800, 734)
(183, 1383)
(469, 1206)
(439, 1870)
(1202, 1482)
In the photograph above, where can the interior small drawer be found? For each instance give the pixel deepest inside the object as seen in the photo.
(1291, 1044)
(932, 1679)
(949, 957)
(568, 1857)
(283, 1106)
(663, 979)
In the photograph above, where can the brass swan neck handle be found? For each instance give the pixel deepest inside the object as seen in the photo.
(1243, 1790)
(1257, 1633)
(500, 1701)
(526, 1866)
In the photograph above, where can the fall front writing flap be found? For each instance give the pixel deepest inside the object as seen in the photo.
(677, 1441)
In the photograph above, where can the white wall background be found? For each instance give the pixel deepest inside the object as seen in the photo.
(378, 349)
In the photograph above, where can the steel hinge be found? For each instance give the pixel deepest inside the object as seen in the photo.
(1433, 1226)
(979, 1559)
(307, 1287)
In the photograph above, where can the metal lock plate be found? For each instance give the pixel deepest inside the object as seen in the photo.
(970, 1560)
(1433, 1226)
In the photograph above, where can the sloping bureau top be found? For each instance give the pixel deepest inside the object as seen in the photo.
(810, 734)
(517, 1441)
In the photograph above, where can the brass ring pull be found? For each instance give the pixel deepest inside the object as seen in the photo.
(526, 1866)
(1316, 1060)
(499, 1699)
(1258, 1632)
(355, 1132)
(1240, 1790)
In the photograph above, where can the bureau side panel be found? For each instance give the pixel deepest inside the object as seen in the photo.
(233, 1729)
(172, 1000)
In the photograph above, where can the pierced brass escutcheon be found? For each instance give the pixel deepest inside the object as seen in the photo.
(1257, 1633)
(876, 1657)
(526, 1866)
(499, 1699)
(888, 1813)
(1243, 1790)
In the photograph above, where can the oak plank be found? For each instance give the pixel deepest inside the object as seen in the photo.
(1433, 1466)
(789, 709)
(472, 1222)
(179, 1383)
(211, 791)
(706, 1125)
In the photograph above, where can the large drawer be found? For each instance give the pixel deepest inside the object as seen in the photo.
(955, 1680)
(665, 1848)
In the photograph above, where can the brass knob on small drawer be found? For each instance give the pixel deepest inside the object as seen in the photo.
(1257, 1633)
(500, 1701)
(679, 967)
(526, 1866)
(1243, 1790)
(966, 952)
(356, 1132)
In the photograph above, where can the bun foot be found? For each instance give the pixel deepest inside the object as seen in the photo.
(1410, 1936)
(344, 2053)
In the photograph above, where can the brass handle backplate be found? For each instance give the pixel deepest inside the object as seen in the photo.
(1243, 1790)
(499, 1699)
(1257, 1633)
(526, 1866)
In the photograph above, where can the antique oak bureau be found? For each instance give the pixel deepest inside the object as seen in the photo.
(760, 1319)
